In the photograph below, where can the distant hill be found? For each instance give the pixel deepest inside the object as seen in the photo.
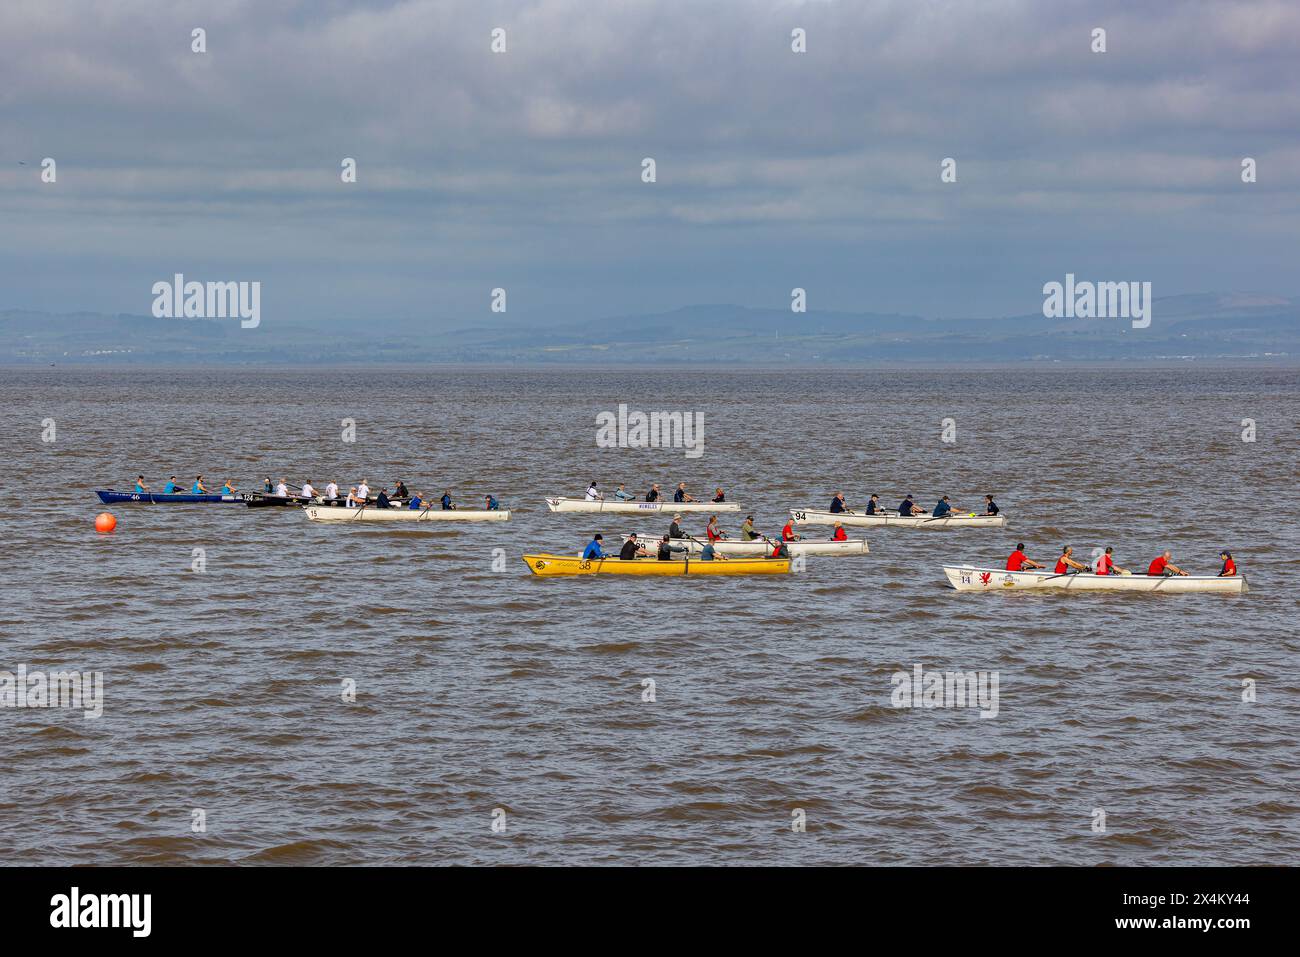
(1201, 326)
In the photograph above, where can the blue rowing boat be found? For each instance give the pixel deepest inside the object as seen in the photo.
(108, 497)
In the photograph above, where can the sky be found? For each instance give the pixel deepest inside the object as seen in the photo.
(522, 170)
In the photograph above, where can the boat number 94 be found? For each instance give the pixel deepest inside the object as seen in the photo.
(799, 516)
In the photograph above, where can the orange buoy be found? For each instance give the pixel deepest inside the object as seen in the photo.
(105, 522)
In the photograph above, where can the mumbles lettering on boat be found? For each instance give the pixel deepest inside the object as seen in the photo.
(179, 299)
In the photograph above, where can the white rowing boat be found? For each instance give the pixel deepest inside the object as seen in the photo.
(968, 578)
(857, 546)
(857, 519)
(636, 508)
(330, 513)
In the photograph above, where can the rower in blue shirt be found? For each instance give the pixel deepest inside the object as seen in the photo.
(446, 501)
(171, 487)
(593, 549)
(492, 504)
(199, 488)
(837, 504)
(907, 508)
(622, 494)
(139, 484)
(943, 508)
(416, 501)
(873, 506)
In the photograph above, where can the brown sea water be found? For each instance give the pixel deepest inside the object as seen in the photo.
(479, 689)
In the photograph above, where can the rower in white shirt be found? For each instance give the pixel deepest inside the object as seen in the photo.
(363, 490)
(353, 501)
(281, 489)
(593, 494)
(332, 490)
(307, 490)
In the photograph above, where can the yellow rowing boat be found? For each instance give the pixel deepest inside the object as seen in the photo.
(546, 565)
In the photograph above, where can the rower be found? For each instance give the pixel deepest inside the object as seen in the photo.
(712, 532)
(942, 508)
(447, 506)
(666, 549)
(653, 494)
(907, 508)
(199, 487)
(353, 500)
(632, 549)
(780, 550)
(228, 488)
(709, 554)
(332, 490)
(837, 504)
(839, 535)
(267, 487)
(171, 487)
(416, 501)
(282, 489)
(990, 506)
(363, 490)
(1017, 561)
(719, 495)
(307, 490)
(1105, 565)
(593, 494)
(382, 501)
(681, 495)
(675, 529)
(873, 506)
(1161, 565)
(747, 531)
(139, 484)
(788, 534)
(398, 492)
(594, 549)
(622, 494)
(491, 504)
(1229, 569)
(1065, 563)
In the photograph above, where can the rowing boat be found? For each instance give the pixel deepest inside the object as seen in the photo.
(857, 546)
(332, 513)
(267, 500)
(633, 508)
(549, 565)
(110, 497)
(819, 517)
(967, 578)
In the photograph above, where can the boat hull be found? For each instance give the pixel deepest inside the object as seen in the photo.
(858, 520)
(635, 508)
(761, 548)
(968, 578)
(557, 565)
(109, 497)
(333, 513)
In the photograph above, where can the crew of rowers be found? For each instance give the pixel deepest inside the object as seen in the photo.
(621, 494)
(358, 496)
(909, 509)
(634, 547)
(1018, 561)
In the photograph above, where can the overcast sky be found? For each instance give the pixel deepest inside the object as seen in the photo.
(523, 169)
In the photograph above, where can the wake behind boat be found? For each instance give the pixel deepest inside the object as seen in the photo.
(629, 507)
(858, 519)
(969, 578)
(335, 513)
(553, 565)
(110, 497)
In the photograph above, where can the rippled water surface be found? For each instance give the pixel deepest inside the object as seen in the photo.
(480, 689)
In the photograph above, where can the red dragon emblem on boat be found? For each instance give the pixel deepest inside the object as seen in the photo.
(985, 577)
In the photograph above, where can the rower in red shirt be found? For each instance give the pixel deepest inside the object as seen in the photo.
(788, 533)
(1229, 566)
(712, 531)
(1065, 562)
(1017, 561)
(1161, 565)
(840, 535)
(1105, 565)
